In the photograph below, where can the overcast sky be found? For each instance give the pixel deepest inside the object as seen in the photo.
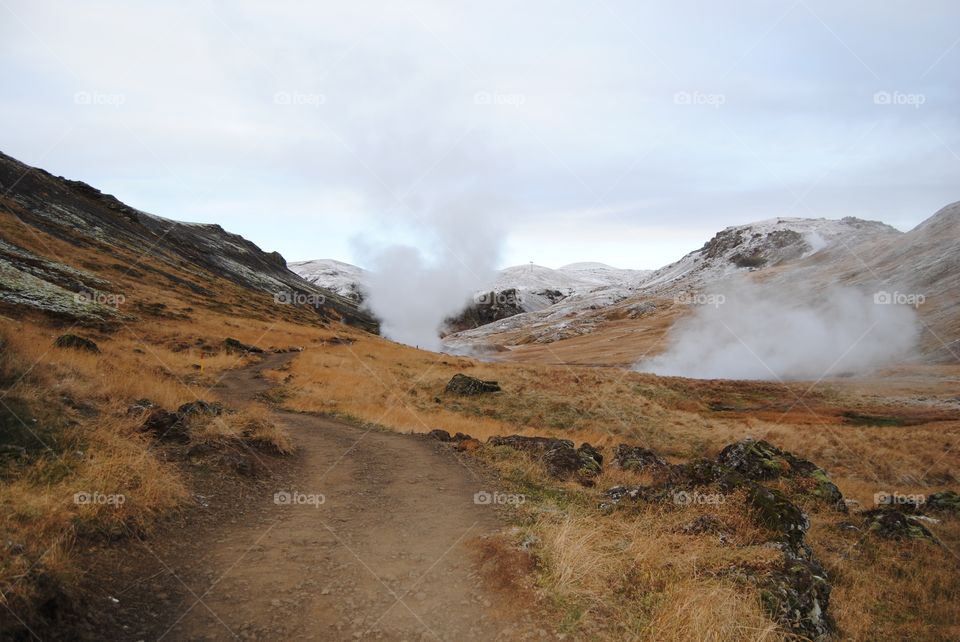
(623, 132)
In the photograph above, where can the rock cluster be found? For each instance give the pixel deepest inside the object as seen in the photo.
(796, 592)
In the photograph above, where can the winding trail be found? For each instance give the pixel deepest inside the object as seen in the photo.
(386, 556)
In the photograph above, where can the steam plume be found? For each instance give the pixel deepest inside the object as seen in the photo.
(764, 332)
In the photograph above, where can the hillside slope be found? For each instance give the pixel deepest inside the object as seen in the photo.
(617, 326)
(187, 256)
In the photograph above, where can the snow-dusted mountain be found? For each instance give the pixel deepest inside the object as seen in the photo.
(531, 305)
(343, 278)
(533, 287)
(761, 245)
(786, 252)
(569, 279)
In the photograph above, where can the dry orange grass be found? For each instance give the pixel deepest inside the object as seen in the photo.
(624, 576)
(377, 381)
(634, 574)
(588, 561)
(89, 471)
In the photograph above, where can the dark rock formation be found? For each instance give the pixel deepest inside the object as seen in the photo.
(560, 458)
(760, 460)
(462, 384)
(77, 343)
(891, 523)
(636, 457)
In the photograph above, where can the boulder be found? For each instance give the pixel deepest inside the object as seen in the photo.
(761, 460)
(462, 384)
(77, 343)
(891, 523)
(534, 445)
(439, 435)
(636, 457)
(561, 459)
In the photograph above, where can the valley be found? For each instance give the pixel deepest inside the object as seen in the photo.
(165, 383)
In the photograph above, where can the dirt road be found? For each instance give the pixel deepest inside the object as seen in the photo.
(371, 539)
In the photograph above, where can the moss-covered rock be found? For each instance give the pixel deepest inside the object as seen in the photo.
(462, 384)
(796, 594)
(77, 343)
(774, 511)
(759, 460)
(560, 458)
(636, 457)
(891, 523)
(947, 501)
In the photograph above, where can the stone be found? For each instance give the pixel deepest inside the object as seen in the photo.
(462, 384)
(77, 343)
(636, 457)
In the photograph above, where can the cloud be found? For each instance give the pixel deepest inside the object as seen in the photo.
(576, 104)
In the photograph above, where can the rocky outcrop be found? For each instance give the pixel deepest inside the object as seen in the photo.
(487, 307)
(891, 523)
(77, 343)
(190, 256)
(558, 456)
(636, 458)
(760, 461)
(533, 445)
(462, 384)
(796, 592)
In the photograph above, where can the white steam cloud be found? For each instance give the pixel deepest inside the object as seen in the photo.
(764, 332)
(412, 290)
